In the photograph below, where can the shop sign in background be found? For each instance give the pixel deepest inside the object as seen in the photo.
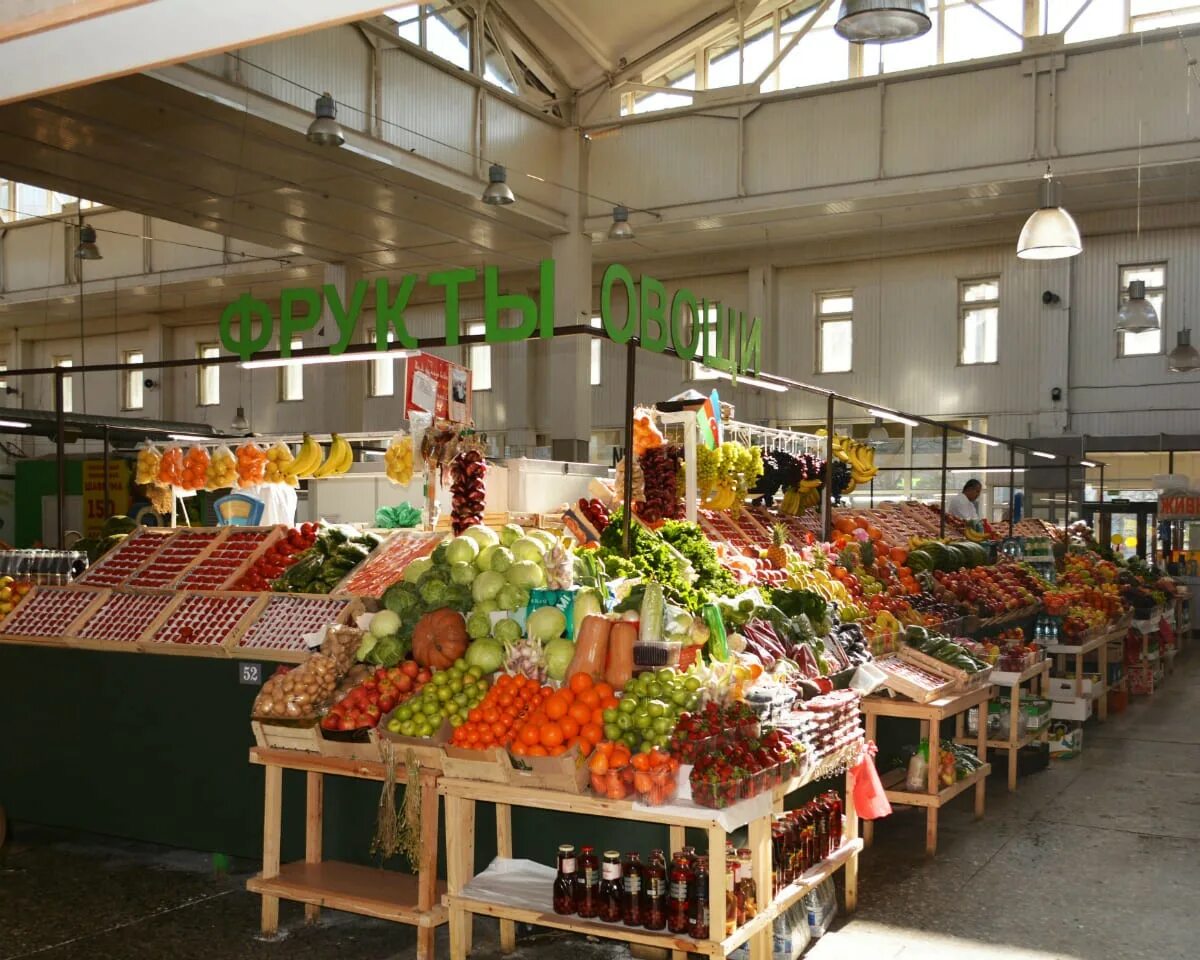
(100, 503)
(437, 386)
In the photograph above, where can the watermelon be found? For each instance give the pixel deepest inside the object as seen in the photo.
(920, 560)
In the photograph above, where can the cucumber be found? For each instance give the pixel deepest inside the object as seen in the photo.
(653, 612)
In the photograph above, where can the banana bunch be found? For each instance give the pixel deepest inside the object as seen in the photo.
(399, 461)
(305, 463)
(800, 498)
(859, 456)
(803, 576)
(723, 496)
(338, 460)
(975, 534)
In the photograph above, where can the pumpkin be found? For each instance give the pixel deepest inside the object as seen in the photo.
(439, 638)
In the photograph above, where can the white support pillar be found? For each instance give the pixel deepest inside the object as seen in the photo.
(566, 413)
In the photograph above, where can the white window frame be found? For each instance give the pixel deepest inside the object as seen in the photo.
(596, 355)
(68, 384)
(3, 378)
(1158, 294)
(133, 393)
(838, 316)
(966, 306)
(381, 377)
(208, 376)
(479, 358)
(291, 377)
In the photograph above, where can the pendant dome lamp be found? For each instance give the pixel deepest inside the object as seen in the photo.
(621, 228)
(1137, 314)
(87, 248)
(1184, 358)
(881, 21)
(878, 432)
(325, 131)
(498, 193)
(1050, 232)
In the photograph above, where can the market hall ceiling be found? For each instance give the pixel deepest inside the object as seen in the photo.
(143, 145)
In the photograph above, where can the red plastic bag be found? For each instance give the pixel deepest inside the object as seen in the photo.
(870, 800)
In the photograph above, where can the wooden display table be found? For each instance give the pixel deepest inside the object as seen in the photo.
(1099, 646)
(464, 902)
(317, 883)
(1037, 674)
(931, 716)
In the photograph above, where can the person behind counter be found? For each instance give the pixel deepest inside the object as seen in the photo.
(962, 505)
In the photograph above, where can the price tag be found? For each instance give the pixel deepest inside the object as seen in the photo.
(250, 673)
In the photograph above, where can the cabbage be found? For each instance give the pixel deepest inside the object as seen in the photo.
(462, 572)
(509, 597)
(486, 606)
(510, 533)
(506, 630)
(559, 654)
(484, 560)
(546, 623)
(412, 573)
(525, 573)
(433, 592)
(484, 536)
(462, 550)
(545, 537)
(528, 549)
(501, 560)
(385, 623)
(402, 598)
(478, 625)
(486, 654)
(486, 586)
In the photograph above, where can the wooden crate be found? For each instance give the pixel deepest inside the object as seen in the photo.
(900, 684)
(58, 639)
(429, 751)
(273, 535)
(75, 639)
(491, 765)
(142, 533)
(350, 611)
(148, 644)
(567, 773)
(370, 750)
(963, 679)
(218, 534)
(305, 736)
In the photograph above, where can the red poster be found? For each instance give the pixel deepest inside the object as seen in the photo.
(437, 386)
(1179, 505)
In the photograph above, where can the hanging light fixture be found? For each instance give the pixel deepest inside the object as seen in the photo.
(878, 433)
(1050, 232)
(87, 249)
(325, 131)
(498, 193)
(621, 228)
(240, 423)
(1184, 358)
(882, 21)
(1137, 314)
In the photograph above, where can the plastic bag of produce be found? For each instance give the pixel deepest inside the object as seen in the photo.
(918, 773)
(393, 518)
(279, 459)
(195, 467)
(251, 464)
(398, 459)
(870, 799)
(170, 467)
(298, 694)
(148, 460)
(222, 469)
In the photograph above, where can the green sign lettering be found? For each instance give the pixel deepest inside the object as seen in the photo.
(618, 274)
(652, 305)
(452, 280)
(389, 314)
(346, 317)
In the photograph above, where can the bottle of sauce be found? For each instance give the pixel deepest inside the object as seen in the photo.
(654, 893)
(835, 826)
(587, 883)
(611, 888)
(698, 904)
(633, 877)
(731, 921)
(679, 893)
(564, 882)
(747, 889)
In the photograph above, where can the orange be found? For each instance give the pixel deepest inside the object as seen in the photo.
(590, 697)
(518, 749)
(528, 735)
(551, 735)
(580, 682)
(609, 703)
(569, 727)
(556, 707)
(641, 761)
(603, 690)
(593, 733)
(597, 716)
(580, 713)
(537, 751)
(558, 751)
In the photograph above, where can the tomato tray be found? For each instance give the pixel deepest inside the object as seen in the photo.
(48, 612)
(387, 563)
(118, 565)
(201, 621)
(281, 625)
(225, 562)
(122, 617)
(172, 560)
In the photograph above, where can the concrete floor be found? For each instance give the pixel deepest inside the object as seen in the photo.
(1095, 857)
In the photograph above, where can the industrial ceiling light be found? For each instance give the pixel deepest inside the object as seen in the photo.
(894, 417)
(325, 131)
(1044, 456)
(621, 228)
(878, 433)
(240, 423)
(304, 361)
(87, 249)
(1184, 358)
(1088, 463)
(1050, 232)
(498, 193)
(1137, 314)
(983, 441)
(882, 21)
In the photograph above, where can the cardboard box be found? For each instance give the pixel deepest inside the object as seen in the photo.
(1066, 740)
(1063, 688)
(567, 772)
(1078, 709)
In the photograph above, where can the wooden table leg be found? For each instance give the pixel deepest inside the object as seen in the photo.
(460, 857)
(761, 945)
(850, 832)
(716, 884)
(981, 752)
(504, 849)
(868, 826)
(1014, 716)
(1103, 660)
(1079, 674)
(272, 811)
(427, 867)
(931, 733)
(314, 785)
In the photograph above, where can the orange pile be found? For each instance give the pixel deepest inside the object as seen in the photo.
(251, 464)
(493, 723)
(170, 468)
(570, 717)
(195, 468)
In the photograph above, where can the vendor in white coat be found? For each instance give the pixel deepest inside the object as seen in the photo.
(962, 505)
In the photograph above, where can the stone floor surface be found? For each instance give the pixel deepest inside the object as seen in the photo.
(1097, 857)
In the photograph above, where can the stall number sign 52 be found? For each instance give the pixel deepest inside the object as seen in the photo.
(250, 673)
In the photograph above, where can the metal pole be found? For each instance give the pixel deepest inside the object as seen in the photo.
(60, 455)
(827, 489)
(1067, 496)
(945, 455)
(872, 493)
(1101, 497)
(630, 369)
(1012, 486)
(107, 500)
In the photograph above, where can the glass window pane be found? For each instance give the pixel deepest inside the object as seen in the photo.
(1141, 344)
(979, 335)
(32, 201)
(981, 290)
(208, 378)
(837, 346)
(133, 381)
(3, 379)
(447, 34)
(383, 373)
(291, 384)
(479, 359)
(971, 33)
(68, 384)
(836, 303)
(408, 21)
(909, 55)
(594, 363)
(723, 57)
(1151, 274)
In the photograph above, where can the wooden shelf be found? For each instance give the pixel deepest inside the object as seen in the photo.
(319, 763)
(1023, 741)
(939, 799)
(386, 894)
(938, 710)
(543, 915)
(1008, 679)
(1082, 650)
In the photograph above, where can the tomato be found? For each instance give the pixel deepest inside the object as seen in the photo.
(410, 668)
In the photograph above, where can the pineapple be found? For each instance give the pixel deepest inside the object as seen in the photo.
(777, 551)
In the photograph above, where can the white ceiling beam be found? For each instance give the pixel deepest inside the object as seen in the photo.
(137, 38)
(23, 17)
(580, 33)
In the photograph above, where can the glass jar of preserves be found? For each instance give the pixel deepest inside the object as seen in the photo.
(698, 903)
(564, 881)
(679, 891)
(587, 883)
(747, 888)
(633, 877)
(731, 922)
(610, 887)
(654, 893)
